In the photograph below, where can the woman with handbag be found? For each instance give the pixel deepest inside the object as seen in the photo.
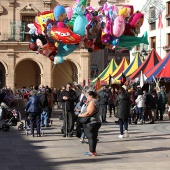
(93, 122)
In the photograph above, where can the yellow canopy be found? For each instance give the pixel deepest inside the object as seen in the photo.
(107, 71)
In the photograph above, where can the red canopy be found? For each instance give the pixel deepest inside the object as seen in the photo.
(165, 72)
(148, 64)
(161, 70)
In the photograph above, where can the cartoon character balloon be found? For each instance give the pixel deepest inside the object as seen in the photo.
(70, 24)
(44, 17)
(81, 21)
(106, 35)
(135, 22)
(60, 16)
(64, 35)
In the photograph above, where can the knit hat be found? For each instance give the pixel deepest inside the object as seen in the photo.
(58, 10)
(134, 18)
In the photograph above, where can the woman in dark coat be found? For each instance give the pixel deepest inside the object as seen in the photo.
(123, 104)
(33, 107)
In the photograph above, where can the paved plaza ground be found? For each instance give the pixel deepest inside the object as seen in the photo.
(148, 147)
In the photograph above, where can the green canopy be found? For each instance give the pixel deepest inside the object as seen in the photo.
(106, 72)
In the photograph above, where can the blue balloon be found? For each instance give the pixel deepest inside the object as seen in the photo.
(58, 59)
(80, 22)
(66, 49)
(79, 26)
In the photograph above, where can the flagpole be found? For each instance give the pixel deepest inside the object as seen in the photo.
(160, 42)
(160, 26)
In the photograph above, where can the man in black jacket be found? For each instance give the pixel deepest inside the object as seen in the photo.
(103, 100)
(68, 97)
(150, 105)
(45, 107)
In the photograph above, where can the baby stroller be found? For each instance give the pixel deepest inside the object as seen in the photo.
(10, 116)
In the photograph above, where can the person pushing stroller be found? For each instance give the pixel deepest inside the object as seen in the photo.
(33, 108)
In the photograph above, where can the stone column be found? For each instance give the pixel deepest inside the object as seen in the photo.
(85, 62)
(10, 77)
(46, 77)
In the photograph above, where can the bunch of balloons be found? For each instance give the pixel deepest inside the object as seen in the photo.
(58, 33)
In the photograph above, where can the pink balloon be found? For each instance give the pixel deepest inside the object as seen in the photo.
(69, 12)
(119, 26)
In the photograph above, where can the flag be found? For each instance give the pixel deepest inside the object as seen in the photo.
(84, 82)
(110, 79)
(160, 24)
(97, 85)
(141, 79)
(89, 80)
(123, 79)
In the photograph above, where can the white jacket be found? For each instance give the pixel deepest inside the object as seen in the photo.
(140, 101)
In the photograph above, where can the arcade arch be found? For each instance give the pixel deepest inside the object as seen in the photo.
(27, 73)
(2, 75)
(64, 73)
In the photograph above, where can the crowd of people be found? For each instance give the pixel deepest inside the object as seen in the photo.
(87, 108)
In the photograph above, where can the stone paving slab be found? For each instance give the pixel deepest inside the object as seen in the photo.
(148, 147)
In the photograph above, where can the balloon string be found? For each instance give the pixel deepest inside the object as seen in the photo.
(62, 72)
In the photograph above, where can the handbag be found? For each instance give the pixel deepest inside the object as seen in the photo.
(84, 120)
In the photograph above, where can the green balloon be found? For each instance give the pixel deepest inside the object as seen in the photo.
(128, 42)
(75, 14)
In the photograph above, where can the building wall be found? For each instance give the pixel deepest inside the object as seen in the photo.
(160, 34)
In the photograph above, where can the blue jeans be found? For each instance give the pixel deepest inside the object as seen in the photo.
(103, 111)
(82, 135)
(121, 123)
(140, 112)
(44, 118)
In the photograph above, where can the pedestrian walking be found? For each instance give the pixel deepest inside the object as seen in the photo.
(103, 101)
(123, 104)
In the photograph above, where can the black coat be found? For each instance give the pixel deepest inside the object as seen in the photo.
(103, 97)
(149, 101)
(43, 101)
(123, 104)
(72, 97)
(161, 105)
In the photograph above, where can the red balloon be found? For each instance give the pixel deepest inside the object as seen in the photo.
(33, 46)
(65, 35)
